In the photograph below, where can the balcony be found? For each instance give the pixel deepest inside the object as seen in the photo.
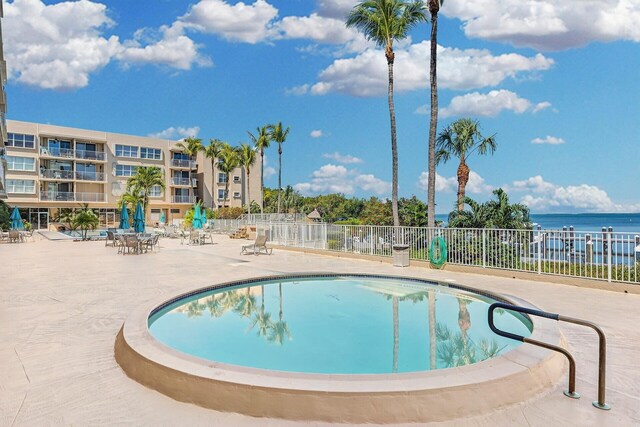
(90, 176)
(91, 155)
(61, 153)
(63, 196)
(177, 181)
(183, 164)
(56, 174)
(183, 199)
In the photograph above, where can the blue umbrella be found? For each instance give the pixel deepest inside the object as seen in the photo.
(197, 217)
(138, 219)
(124, 218)
(162, 217)
(16, 220)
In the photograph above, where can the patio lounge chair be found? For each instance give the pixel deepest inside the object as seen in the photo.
(111, 239)
(259, 246)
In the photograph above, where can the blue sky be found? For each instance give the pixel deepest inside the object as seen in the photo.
(556, 82)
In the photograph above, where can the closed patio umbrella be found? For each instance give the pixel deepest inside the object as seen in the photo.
(124, 218)
(162, 218)
(16, 220)
(197, 222)
(138, 219)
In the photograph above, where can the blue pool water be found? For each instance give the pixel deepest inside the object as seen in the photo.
(341, 325)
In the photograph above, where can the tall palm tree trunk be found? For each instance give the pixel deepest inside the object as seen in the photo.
(463, 179)
(433, 344)
(434, 7)
(280, 292)
(396, 334)
(249, 189)
(394, 144)
(279, 174)
(226, 191)
(262, 180)
(213, 183)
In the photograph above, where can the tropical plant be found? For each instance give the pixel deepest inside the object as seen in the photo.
(474, 218)
(227, 162)
(85, 219)
(261, 140)
(139, 185)
(247, 156)
(191, 146)
(502, 214)
(434, 8)
(246, 304)
(188, 216)
(215, 307)
(291, 200)
(385, 22)
(461, 139)
(212, 152)
(279, 136)
(5, 216)
(228, 213)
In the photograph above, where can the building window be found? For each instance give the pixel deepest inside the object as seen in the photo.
(221, 195)
(236, 194)
(222, 178)
(126, 151)
(126, 170)
(180, 156)
(150, 153)
(21, 163)
(155, 191)
(175, 211)
(21, 186)
(236, 179)
(20, 140)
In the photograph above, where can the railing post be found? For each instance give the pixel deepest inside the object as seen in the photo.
(539, 250)
(610, 231)
(371, 238)
(484, 248)
(345, 237)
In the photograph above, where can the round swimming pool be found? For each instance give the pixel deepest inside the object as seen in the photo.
(354, 348)
(337, 325)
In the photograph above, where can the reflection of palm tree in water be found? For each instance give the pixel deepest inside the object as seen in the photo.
(464, 318)
(396, 334)
(246, 304)
(262, 319)
(280, 329)
(215, 306)
(433, 342)
(194, 309)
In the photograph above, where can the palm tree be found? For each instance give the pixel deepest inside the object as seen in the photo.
(503, 215)
(434, 8)
(212, 152)
(228, 161)
(386, 21)
(191, 147)
(247, 155)
(85, 219)
(139, 185)
(461, 139)
(261, 140)
(475, 218)
(279, 135)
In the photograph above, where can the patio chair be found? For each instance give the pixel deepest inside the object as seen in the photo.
(152, 242)
(194, 238)
(259, 246)
(110, 240)
(131, 243)
(204, 236)
(119, 242)
(14, 236)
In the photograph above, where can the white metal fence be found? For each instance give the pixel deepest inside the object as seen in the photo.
(602, 255)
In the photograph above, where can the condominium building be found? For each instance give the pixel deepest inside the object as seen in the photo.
(3, 111)
(51, 169)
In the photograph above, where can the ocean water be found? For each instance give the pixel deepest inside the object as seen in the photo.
(624, 222)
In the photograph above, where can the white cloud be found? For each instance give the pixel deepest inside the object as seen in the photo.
(545, 196)
(297, 90)
(553, 140)
(168, 46)
(332, 178)
(366, 73)
(488, 105)
(547, 24)
(56, 46)
(541, 106)
(249, 23)
(269, 172)
(316, 133)
(335, 8)
(476, 184)
(176, 133)
(342, 158)
(59, 46)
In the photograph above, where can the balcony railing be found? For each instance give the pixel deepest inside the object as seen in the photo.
(90, 176)
(183, 199)
(56, 152)
(99, 156)
(56, 174)
(183, 164)
(179, 181)
(63, 196)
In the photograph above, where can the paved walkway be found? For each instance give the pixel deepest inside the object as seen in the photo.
(62, 303)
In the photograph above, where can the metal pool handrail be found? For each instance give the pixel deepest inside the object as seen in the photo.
(602, 346)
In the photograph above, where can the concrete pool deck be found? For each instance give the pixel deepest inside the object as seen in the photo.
(64, 302)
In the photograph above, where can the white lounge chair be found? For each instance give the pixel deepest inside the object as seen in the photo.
(259, 246)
